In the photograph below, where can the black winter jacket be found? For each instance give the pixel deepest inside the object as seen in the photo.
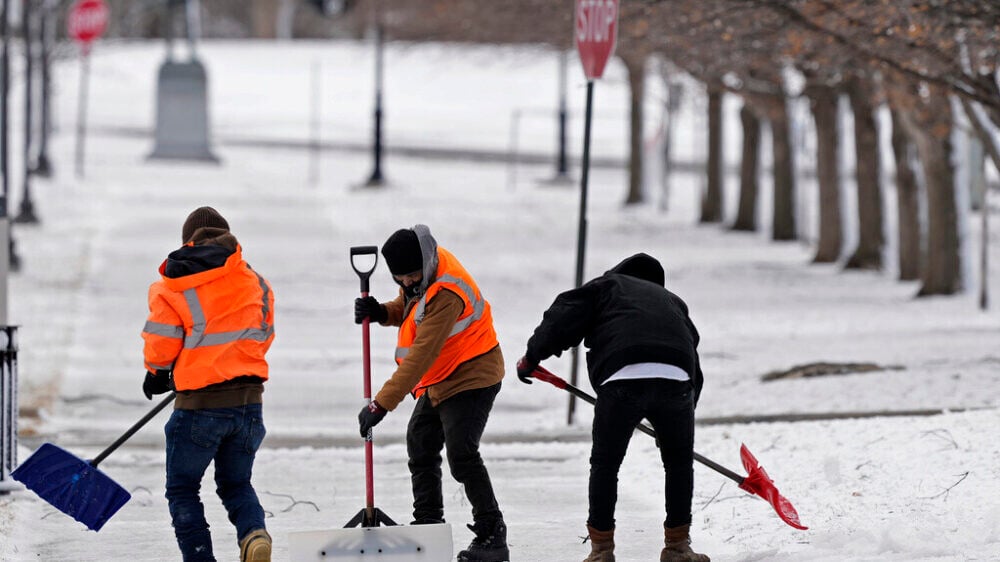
(622, 320)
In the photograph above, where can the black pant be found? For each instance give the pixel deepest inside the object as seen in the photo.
(621, 405)
(457, 423)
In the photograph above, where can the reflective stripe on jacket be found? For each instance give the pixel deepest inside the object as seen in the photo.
(211, 326)
(473, 333)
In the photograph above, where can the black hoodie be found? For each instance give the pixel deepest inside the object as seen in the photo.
(623, 317)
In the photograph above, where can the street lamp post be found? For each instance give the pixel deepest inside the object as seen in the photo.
(9, 260)
(376, 178)
(43, 166)
(27, 214)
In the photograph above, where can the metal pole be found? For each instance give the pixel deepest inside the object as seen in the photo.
(562, 167)
(43, 166)
(26, 213)
(581, 238)
(315, 123)
(512, 149)
(984, 293)
(8, 408)
(8, 257)
(81, 110)
(376, 177)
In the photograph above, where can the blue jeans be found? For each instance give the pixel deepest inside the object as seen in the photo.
(230, 437)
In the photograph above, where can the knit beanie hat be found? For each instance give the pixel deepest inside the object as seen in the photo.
(402, 252)
(199, 218)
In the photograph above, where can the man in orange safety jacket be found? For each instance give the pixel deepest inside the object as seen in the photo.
(449, 359)
(211, 321)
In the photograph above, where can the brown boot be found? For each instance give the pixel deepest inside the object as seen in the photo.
(602, 545)
(677, 546)
(256, 547)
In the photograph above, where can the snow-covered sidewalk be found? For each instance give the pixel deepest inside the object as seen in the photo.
(871, 489)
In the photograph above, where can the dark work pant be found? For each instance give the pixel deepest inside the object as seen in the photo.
(457, 423)
(195, 438)
(621, 405)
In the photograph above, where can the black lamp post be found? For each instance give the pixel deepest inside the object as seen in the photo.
(376, 178)
(10, 260)
(27, 214)
(43, 166)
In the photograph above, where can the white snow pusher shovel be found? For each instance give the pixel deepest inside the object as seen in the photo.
(371, 535)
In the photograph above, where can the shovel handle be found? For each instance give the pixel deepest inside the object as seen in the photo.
(364, 274)
(131, 431)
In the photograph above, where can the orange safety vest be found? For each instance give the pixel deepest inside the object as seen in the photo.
(211, 326)
(473, 333)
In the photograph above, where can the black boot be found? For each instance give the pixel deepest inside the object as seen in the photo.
(489, 545)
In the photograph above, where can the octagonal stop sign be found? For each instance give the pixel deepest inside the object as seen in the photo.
(87, 20)
(596, 34)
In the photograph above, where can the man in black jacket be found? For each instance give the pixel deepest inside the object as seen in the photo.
(643, 363)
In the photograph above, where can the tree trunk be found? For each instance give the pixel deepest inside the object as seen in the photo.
(746, 214)
(908, 195)
(711, 201)
(264, 18)
(783, 219)
(636, 66)
(943, 274)
(831, 236)
(871, 239)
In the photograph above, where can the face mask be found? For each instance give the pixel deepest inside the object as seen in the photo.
(412, 291)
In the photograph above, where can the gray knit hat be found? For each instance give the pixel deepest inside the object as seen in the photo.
(199, 218)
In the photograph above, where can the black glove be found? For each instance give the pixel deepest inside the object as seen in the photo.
(156, 383)
(370, 416)
(524, 369)
(368, 307)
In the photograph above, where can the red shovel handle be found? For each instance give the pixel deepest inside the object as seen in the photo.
(364, 275)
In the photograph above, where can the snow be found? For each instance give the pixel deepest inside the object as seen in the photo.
(870, 487)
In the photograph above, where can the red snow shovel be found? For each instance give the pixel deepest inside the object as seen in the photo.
(757, 481)
(378, 536)
(75, 486)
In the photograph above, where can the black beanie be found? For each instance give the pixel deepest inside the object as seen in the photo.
(199, 218)
(402, 252)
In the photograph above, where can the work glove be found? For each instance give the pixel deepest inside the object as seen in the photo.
(369, 307)
(156, 383)
(369, 417)
(525, 367)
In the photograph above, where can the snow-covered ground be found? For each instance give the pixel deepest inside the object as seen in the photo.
(881, 488)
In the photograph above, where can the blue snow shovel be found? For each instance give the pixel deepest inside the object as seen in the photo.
(75, 486)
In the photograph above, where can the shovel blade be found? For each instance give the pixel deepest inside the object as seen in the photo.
(759, 483)
(430, 543)
(71, 485)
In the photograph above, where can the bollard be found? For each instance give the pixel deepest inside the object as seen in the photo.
(8, 408)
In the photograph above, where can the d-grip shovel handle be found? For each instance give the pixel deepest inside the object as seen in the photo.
(364, 274)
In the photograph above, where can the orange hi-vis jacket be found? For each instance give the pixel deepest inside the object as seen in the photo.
(473, 333)
(210, 326)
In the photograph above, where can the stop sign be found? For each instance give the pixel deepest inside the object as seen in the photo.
(596, 34)
(87, 20)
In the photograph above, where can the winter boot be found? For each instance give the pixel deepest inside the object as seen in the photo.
(256, 547)
(602, 545)
(489, 545)
(677, 546)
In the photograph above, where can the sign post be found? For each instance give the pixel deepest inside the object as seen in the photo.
(595, 34)
(86, 22)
